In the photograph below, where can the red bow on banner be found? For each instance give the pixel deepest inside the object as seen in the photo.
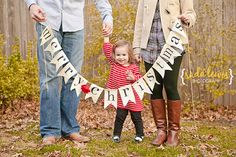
(85, 88)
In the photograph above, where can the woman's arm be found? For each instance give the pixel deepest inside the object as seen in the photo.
(138, 28)
(188, 15)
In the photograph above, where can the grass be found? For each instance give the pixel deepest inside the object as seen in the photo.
(197, 139)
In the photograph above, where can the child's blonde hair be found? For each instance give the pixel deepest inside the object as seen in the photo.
(130, 50)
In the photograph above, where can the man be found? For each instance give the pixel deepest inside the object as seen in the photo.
(58, 105)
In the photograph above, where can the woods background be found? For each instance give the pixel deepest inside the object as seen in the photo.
(212, 42)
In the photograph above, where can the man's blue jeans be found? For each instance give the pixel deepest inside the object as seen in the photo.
(58, 105)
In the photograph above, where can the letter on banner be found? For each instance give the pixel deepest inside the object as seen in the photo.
(60, 59)
(174, 40)
(67, 72)
(53, 46)
(150, 78)
(161, 66)
(46, 35)
(77, 83)
(96, 91)
(126, 94)
(169, 53)
(110, 97)
(179, 29)
(140, 87)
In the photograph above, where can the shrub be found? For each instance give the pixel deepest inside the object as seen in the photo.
(18, 76)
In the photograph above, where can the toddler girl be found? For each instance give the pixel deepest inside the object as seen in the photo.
(123, 71)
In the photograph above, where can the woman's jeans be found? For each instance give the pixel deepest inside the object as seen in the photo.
(58, 104)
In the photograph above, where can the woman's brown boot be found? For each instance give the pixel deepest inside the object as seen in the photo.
(174, 109)
(159, 115)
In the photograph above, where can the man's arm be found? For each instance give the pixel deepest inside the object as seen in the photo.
(104, 7)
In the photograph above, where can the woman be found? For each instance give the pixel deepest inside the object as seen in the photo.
(152, 27)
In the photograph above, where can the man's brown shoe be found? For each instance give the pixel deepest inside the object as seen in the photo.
(49, 140)
(76, 137)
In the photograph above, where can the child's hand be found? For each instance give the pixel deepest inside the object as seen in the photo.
(105, 35)
(129, 75)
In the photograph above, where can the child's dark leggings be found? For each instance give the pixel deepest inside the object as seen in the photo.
(169, 81)
(121, 115)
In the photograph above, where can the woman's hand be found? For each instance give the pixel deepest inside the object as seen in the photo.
(184, 18)
(137, 58)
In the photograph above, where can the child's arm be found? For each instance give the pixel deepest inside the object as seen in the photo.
(107, 49)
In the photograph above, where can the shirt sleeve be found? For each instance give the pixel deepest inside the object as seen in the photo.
(30, 2)
(107, 49)
(104, 7)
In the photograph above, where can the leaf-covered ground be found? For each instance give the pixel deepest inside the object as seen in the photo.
(211, 133)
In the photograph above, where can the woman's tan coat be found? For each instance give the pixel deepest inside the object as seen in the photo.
(169, 11)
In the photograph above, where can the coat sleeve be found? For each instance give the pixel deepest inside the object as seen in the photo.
(138, 27)
(187, 8)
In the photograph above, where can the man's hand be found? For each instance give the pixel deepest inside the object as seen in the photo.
(184, 18)
(107, 29)
(130, 76)
(37, 13)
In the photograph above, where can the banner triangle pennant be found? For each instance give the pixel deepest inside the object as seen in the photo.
(53, 46)
(60, 59)
(67, 72)
(77, 83)
(150, 78)
(46, 35)
(178, 28)
(169, 54)
(161, 66)
(175, 41)
(141, 87)
(95, 92)
(126, 94)
(110, 97)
